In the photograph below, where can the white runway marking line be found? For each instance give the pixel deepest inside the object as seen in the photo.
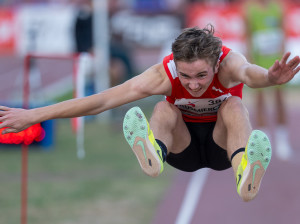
(192, 196)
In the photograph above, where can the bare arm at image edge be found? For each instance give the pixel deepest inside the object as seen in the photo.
(153, 81)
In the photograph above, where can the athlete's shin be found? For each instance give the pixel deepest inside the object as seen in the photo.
(236, 159)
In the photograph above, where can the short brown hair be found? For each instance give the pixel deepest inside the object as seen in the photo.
(195, 43)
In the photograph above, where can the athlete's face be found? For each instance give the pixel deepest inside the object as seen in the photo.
(196, 76)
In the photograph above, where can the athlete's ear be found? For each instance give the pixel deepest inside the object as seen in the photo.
(216, 68)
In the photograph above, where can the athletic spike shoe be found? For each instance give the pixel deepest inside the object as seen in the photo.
(253, 165)
(139, 136)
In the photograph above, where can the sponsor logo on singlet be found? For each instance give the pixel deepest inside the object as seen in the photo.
(218, 90)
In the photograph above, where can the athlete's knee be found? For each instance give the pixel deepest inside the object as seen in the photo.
(233, 106)
(166, 112)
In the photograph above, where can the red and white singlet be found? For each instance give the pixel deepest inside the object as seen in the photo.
(205, 107)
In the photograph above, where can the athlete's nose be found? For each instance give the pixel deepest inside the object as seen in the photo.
(194, 85)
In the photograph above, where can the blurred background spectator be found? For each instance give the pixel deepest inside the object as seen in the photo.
(264, 19)
(84, 27)
(121, 68)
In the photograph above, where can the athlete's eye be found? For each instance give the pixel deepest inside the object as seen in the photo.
(184, 75)
(201, 76)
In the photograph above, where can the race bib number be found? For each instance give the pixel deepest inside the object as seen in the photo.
(201, 107)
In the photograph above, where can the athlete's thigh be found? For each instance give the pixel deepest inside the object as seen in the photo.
(220, 131)
(180, 133)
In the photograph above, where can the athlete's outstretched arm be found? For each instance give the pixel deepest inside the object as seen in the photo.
(153, 81)
(255, 76)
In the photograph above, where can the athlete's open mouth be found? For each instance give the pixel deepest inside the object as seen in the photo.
(196, 90)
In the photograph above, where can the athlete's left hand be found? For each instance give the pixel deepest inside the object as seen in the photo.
(282, 71)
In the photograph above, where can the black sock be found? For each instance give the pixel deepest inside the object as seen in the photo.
(236, 152)
(163, 149)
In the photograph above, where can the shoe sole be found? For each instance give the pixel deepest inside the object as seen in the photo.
(259, 155)
(135, 129)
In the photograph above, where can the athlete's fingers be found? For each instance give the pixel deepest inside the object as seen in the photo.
(285, 58)
(3, 113)
(294, 62)
(2, 125)
(4, 108)
(296, 70)
(276, 65)
(9, 130)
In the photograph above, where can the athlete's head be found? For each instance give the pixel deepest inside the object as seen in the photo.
(195, 43)
(196, 54)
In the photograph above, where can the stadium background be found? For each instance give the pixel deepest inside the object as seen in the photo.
(99, 188)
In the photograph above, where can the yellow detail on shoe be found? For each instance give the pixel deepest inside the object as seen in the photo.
(156, 146)
(253, 165)
(240, 171)
(140, 138)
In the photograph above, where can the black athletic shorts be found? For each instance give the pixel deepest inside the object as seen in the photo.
(202, 151)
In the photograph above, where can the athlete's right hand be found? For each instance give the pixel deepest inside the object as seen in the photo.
(14, 119)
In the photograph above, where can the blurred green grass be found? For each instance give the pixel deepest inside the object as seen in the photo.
(107, 186)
